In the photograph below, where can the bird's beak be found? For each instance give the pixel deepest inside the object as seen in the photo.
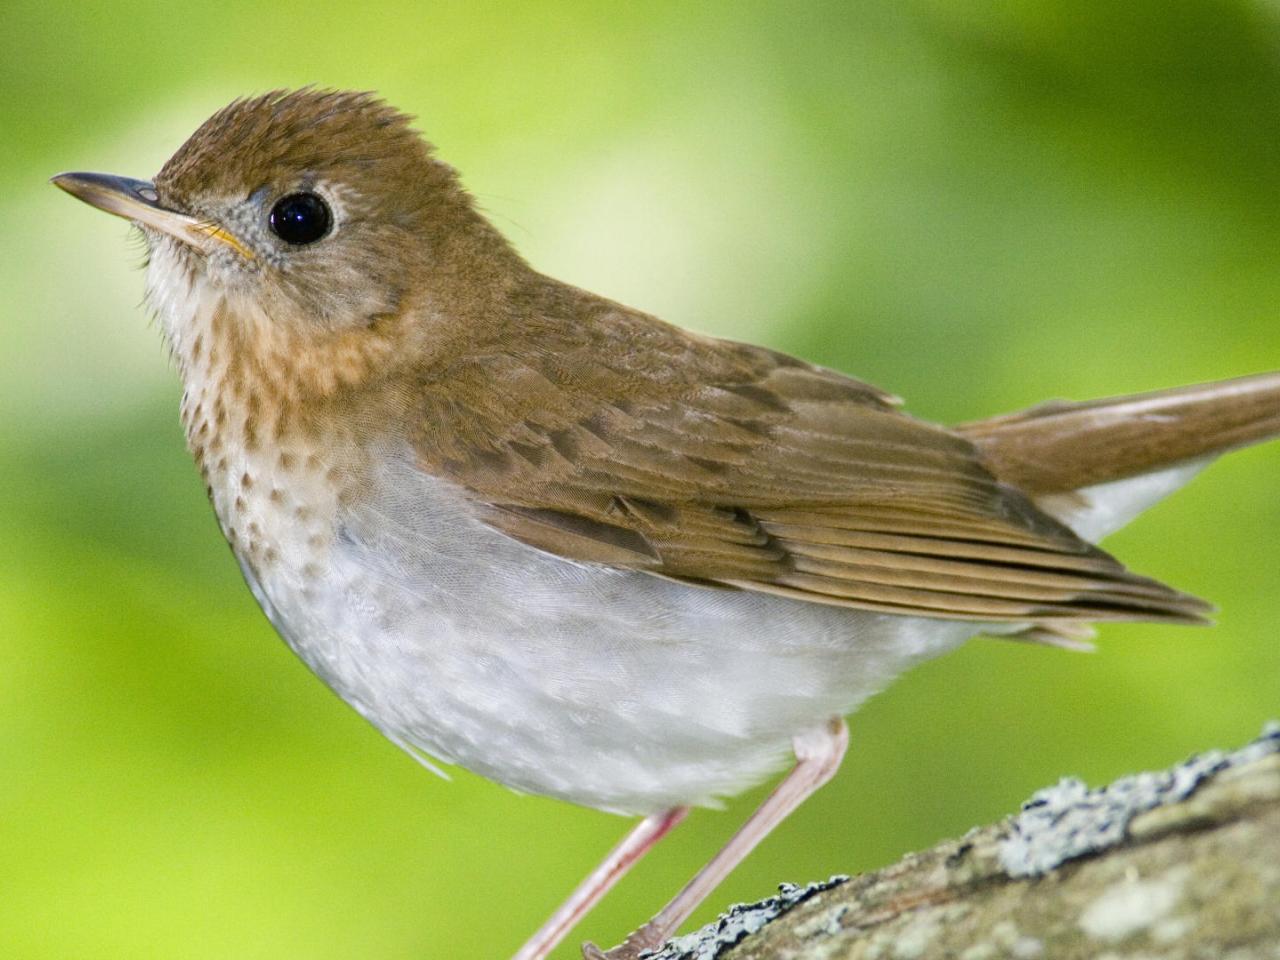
(136, 200)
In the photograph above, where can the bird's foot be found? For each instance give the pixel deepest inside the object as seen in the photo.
(645, 940)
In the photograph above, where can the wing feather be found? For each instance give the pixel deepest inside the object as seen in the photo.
(622, 441)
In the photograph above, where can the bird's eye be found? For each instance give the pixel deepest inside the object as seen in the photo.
(300, 218)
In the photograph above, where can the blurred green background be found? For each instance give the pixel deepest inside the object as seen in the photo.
(977, 209)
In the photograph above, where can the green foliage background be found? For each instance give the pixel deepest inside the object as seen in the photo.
(977, 208)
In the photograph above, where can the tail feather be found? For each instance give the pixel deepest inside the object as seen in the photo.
(1061, 447)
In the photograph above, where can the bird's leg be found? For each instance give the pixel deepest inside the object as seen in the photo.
(818, 756)
(634, 846)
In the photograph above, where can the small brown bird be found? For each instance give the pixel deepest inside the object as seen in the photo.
(531, 531)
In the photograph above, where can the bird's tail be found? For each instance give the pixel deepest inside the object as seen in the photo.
(1097, 464)
(1060, 446)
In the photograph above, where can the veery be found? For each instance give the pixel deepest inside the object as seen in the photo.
(531, 531)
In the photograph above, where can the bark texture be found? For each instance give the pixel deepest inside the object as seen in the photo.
(1183, 864)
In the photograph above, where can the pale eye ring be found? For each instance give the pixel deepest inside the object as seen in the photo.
(300, 218)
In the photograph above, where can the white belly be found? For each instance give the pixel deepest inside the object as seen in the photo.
(608, 688)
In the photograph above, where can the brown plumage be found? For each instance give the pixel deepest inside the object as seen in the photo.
(602, 434)
(599, 433)
(1058, 447)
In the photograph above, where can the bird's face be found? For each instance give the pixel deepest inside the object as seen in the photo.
(305, 227)
(325, 204)
(317, 207)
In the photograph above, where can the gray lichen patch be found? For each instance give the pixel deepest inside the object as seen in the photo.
(1069, 820)
(740, 921)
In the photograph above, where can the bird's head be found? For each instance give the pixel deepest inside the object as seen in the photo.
(307, 218)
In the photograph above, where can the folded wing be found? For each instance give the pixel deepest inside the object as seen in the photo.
(756, 471)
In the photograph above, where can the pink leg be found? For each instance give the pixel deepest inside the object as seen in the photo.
(818, 756)
(634, 846)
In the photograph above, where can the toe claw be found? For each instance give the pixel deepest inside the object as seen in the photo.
(635, 946)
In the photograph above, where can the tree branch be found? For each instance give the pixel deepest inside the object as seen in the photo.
(1184, 863)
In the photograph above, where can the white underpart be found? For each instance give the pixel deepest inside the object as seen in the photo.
(176, 302)
(605, 687)
(1097, 511)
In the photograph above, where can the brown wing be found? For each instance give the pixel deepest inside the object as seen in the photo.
(623, 441)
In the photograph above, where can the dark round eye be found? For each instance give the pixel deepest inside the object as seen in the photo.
(300, 218)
